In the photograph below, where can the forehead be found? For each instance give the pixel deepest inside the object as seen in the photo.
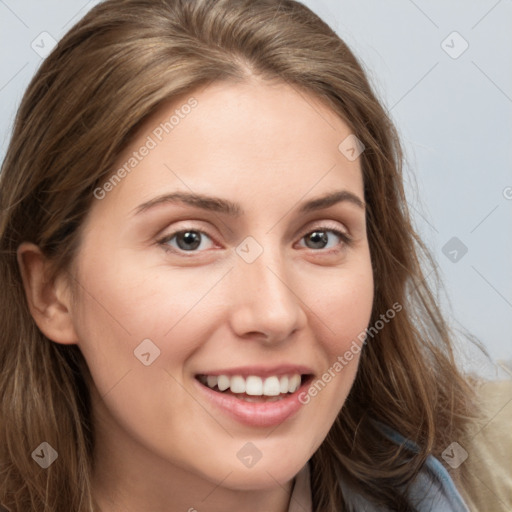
(237, 138)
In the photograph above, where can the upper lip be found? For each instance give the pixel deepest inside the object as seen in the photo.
(261, 371)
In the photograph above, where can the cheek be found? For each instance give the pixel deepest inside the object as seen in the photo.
(136, 331)
(345, 308)
(124, 303)
(136, 300)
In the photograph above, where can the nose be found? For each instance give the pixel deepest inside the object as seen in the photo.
(264, 303)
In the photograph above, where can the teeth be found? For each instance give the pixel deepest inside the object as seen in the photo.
(237, 384)
(211, 380)
(272, 387)
(283, 384)
(253, 385)
(222, 382)
(294, 383)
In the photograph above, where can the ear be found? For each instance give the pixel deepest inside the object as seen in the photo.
(49, 301)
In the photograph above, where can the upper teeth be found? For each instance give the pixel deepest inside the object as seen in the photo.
(254, 385)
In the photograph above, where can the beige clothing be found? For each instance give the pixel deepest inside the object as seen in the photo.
(489, 449)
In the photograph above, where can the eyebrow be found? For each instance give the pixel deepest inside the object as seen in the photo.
(218, 205)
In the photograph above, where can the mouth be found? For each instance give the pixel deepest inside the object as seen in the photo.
(255, 397)
(255, 388)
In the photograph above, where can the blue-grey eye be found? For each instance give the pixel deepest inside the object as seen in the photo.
(319, 238)
(187, 240)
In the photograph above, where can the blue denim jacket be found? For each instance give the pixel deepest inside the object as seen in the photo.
(432, 491)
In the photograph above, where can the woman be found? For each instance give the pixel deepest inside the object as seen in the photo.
(212, 293)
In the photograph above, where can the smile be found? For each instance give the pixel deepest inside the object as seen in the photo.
(253, 385)
(252, 399)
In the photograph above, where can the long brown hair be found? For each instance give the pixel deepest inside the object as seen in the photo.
(111, 71)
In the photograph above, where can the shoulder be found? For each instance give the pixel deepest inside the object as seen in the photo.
(484, 456)
(433, 490)
(487, 485)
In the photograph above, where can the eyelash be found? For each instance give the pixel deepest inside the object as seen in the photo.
(344, 237)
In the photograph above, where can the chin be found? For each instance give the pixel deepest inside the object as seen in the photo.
(264, 479)
(264, 474)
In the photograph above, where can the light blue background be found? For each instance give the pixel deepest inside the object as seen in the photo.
(454, 116)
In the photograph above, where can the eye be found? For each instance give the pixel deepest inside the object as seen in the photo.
(195, 240)
(187, 240)
(319, 239)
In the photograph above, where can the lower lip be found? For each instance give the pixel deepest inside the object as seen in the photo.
(255, 414)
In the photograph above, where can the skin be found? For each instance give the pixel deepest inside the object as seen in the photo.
(160, 445)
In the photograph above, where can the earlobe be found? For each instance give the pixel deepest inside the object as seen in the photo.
(48, 300)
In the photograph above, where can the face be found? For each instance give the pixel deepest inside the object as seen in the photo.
(245, 281)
